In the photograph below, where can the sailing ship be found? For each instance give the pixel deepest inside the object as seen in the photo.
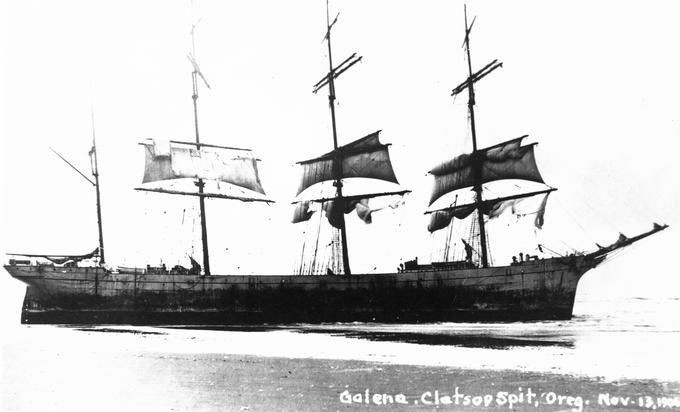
(471, 289)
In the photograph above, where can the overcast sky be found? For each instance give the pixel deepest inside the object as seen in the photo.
(595, 83)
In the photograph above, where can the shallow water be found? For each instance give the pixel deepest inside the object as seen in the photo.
(611, 340)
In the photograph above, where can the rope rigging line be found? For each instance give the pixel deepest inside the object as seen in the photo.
(489, 255)
(447, 245)
(298, 266)
(598, 215)
(193, 230)
(606, 190)
(550, 250)
(571, 216)
(568, 246)
(316, 244)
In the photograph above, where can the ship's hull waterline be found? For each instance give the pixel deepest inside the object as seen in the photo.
(536, 290)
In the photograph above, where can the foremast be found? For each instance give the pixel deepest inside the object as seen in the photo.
(507, 160)
(471, 111)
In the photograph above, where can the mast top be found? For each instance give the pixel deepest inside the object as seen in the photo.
(468, 29)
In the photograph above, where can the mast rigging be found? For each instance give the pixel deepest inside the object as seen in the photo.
(95, 183)
(365, 157)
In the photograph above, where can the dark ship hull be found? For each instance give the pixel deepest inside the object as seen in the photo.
(534, 290)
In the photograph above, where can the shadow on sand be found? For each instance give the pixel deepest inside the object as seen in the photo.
(480, 339)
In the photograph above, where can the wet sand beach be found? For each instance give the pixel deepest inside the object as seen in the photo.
(213, 382)
(519, 366)
(600, 360)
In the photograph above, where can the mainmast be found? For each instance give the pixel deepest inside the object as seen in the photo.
(337, 164)
(365, 157)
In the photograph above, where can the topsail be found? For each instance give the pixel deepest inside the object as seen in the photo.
(365, 157)
(508, 160)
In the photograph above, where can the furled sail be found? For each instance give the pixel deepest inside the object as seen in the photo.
(364, 211)
(499, 207)
(334, 210)
(302, 212)
(366, 157)
(442, 218)
(439, 219)
(165, 160)
(508, 160)
(334, 207)
(61, 259)
(540, 214)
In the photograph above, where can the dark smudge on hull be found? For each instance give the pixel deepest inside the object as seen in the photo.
(235, 328)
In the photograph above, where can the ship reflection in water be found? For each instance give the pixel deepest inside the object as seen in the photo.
(440, 334)
(461, 339)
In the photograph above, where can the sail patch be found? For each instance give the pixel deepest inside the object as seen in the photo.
(209, 163)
